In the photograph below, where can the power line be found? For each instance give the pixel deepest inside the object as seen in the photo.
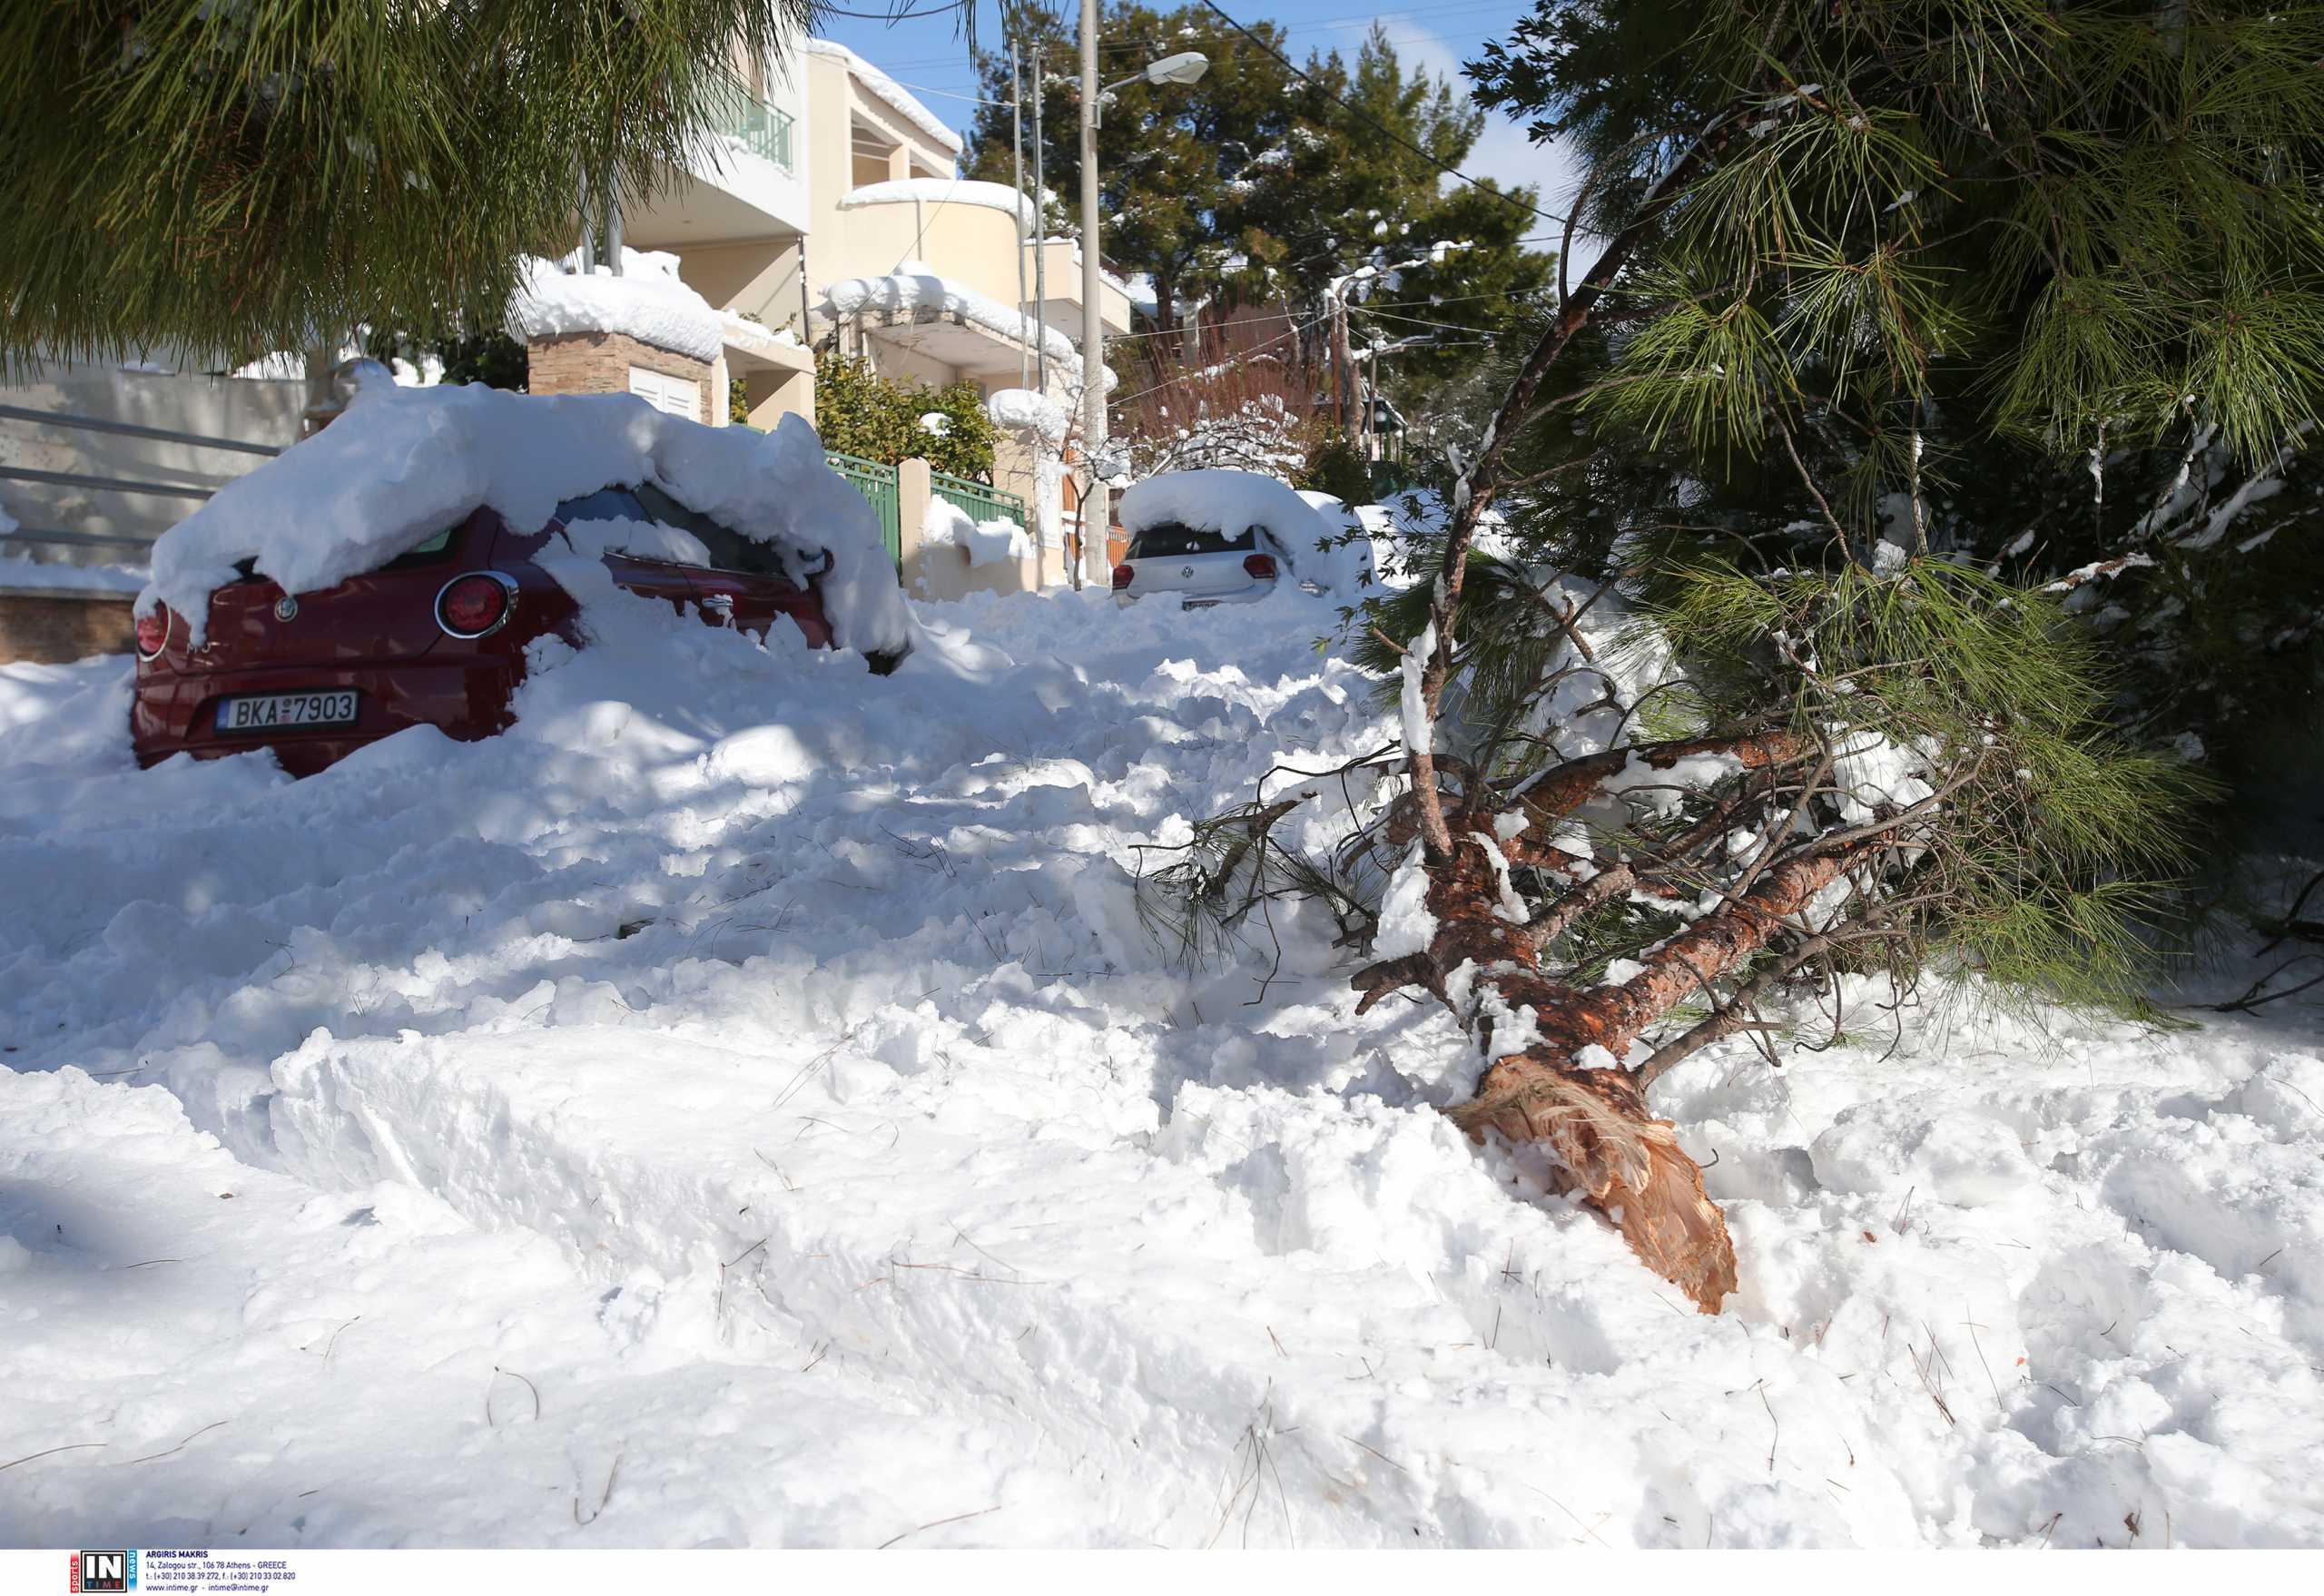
(1334, 24)
(893, 18)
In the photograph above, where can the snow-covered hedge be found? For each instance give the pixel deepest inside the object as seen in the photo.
(401, 464)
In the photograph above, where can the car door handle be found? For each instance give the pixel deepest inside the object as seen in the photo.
(719, 601)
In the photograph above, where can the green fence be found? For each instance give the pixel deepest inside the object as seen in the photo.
(877, 483)
(764, 130)
(980, 503)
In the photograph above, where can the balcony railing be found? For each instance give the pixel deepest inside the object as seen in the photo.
(762, 129)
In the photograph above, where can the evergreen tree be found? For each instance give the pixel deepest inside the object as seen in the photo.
(2036, 287)
(239, 177)
(1258, 186)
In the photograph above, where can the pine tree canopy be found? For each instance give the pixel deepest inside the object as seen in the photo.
(2038, 286)
(2078, 221)
(240, 177)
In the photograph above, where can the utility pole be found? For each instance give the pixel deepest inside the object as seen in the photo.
(1017, 143)
(1093, 324)
(1040, 238)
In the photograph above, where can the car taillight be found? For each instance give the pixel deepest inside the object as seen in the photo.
(153, 632)
(1259, 564)
(1123, 577)
(474, 605)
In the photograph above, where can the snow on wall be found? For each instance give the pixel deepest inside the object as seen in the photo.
(944, 190)
(889, 93)
(401, 464)
(647, 301)
(986, 543)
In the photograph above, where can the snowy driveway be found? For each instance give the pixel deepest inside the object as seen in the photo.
(741, 1107)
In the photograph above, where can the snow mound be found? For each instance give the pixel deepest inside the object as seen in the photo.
(649, 302)
(401, 464)
(986, 543)
(889, 92)
(944, 191)
(766, 1062)
(1345, 560)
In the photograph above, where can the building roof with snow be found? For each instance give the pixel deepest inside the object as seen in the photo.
(889, 92)
(944, 191)
(919, 297)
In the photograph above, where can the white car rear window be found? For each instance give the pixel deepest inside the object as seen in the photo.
(1168, 540)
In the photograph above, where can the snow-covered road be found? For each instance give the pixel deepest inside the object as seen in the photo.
(742, 1107)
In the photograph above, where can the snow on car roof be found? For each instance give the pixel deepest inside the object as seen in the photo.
(1220, 500)
(401, 464)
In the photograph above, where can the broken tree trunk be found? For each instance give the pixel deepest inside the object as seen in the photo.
(1550, 1088)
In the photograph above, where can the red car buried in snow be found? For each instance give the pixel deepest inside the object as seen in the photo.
(436, 636)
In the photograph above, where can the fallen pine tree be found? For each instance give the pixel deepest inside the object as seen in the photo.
(1874, 773)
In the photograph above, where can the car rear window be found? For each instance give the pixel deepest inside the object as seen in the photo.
(607, 504)
(422, 554)
(1169, 540)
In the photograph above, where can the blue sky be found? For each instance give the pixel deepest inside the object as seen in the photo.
(928, 53)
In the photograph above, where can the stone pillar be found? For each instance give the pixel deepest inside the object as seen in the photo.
(913, 491)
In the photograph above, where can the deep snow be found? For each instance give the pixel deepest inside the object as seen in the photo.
(739, 1106)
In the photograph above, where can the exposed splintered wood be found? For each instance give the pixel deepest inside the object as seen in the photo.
(1587, 1111)
(1594, 1122)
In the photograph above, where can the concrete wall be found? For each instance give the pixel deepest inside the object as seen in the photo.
(760, 278)
(250, 411)
(776, 394)
(942, 573)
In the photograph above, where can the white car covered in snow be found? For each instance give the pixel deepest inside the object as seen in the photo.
(1220, 536)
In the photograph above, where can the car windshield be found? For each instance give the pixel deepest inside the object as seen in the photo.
(1169, 540)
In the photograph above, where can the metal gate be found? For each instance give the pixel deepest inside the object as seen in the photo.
(978, 502)
(877, 483)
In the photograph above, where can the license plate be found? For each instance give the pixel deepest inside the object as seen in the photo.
(268, 712)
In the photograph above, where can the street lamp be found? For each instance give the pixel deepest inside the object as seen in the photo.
(1182, 68)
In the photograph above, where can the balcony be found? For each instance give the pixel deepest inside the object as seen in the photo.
(740, 182)
(760, 128)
